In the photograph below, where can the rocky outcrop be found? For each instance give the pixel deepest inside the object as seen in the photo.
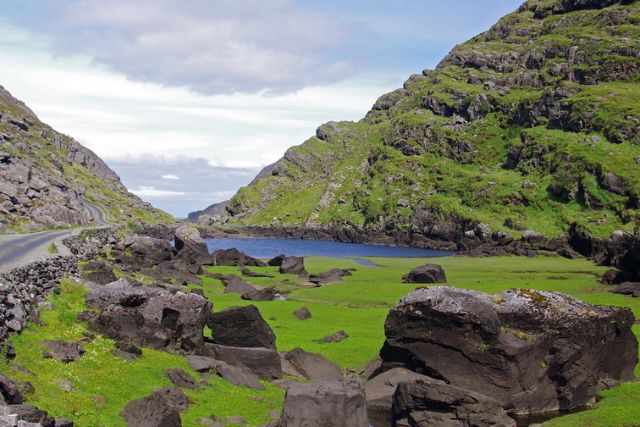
(160, 409)
(533, 352)
(241, 327)
(338, 403)
(430, 273)
(150, 316)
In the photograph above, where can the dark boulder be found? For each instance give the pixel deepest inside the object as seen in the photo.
(31, 414)
(181, 379)
(127, 350)
(102, 276)
(337, 403)
(335, 337)
(430, 273)
(381, 388)
(292, 265)
(9, 390)
(160, 409)
(264, 362)
(150, 317)
(302, 313)
(238, 375)
(235, 285)
(145, 251)
(265, 294)
(531, 351)
(63, 351)
(201, 363)
(429, 402)
(191, 247)
(311, 366)
(241, 327)
(328, 277)
(276, 261)
(627, 288)
(233, 257)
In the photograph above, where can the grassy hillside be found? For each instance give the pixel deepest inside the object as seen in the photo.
(534, 124)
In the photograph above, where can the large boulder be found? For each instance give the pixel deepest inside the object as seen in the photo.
(191, 246)
(311, 366)
(150, 316)
(627, 288)
(233, 257)
(429, 402)
(381, 388)
(264, 362)
(430, 273)
(160, 409)
(235, 285)
(63, 351)
(10, 391)
(292, 265)
(241, 327)
(337, 403)
(531, 351)
(145, 251)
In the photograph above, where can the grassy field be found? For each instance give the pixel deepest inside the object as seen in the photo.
(103, 383)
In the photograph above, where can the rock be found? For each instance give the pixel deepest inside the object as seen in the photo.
(10, 391)
(201, 363)
(531, 351)
(235, 285)
(614, 183)
(338, 403)
(239, 375)
(532, 236)
(292, 265)
(241, 327)
(31, 414)
(328, 277)
(127, 350)
(276, 261)
(335, 337)
(429, 402)
(263, 362)
(147, 251)
(102, 276)
(191, 246)
(150, 316)
(246, 272)
(373, 368)
(311, 366)
(430, 273)
(302, 313)
(63, 351)
(380, 389)
(181, 379)
(403, 203)
(266, 294)
(627, 288)
(233, 257)
(160, 409)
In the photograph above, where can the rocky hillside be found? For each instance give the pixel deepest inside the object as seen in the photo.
(43, 171)
(532, 125)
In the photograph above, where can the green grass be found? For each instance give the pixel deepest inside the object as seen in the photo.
(52, 249)
(359, 306)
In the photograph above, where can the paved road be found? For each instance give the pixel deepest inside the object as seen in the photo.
(21, 249)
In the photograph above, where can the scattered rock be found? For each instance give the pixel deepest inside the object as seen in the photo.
(160, 409)
(532, 236)
(263, 362)
(233, 257)
(235, 285)
(429, 402)
(328, 277)
(430, 273)
(276, 261)
(569, 349)
(380, 389)
(335, 337)
(239, 375)
(266, 294)
(302, 313)
(63, 351)
(102, 276)
(627, 288)
(181, 379)
(10, 391)
(292, 265)
(191, 246)
(241, 327)
(201, 363)
(338, 403)
(246, 272)
(127, 350)
(311, 366)
(31, 414)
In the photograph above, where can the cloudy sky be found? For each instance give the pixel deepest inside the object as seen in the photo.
(187, 100)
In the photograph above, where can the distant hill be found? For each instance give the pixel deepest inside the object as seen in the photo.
(42, 172)
(534, 124)
(215, 209)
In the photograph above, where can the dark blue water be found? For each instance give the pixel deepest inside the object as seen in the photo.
(268, 248)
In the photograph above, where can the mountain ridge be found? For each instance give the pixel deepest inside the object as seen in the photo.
(531, 125)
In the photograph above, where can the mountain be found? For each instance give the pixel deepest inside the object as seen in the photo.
(43, 171)
(532, 125)
(216, 209)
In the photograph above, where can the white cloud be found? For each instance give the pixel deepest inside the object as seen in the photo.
(145, 191)
(170, 177)
(210, 46)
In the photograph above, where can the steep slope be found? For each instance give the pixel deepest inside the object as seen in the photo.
(534, 124)
(43, 171)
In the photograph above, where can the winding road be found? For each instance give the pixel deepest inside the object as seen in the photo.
(20, 249)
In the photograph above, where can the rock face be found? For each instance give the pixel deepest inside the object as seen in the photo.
(429, 402)
(532, 352)
(161, 409)
(241, 327)
(430, 273)
(339, 403)
(150, 316)
(34, 191)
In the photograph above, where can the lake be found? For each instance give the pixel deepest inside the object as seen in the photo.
(269, 248)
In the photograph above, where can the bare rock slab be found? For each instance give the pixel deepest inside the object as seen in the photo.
(430, 273)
